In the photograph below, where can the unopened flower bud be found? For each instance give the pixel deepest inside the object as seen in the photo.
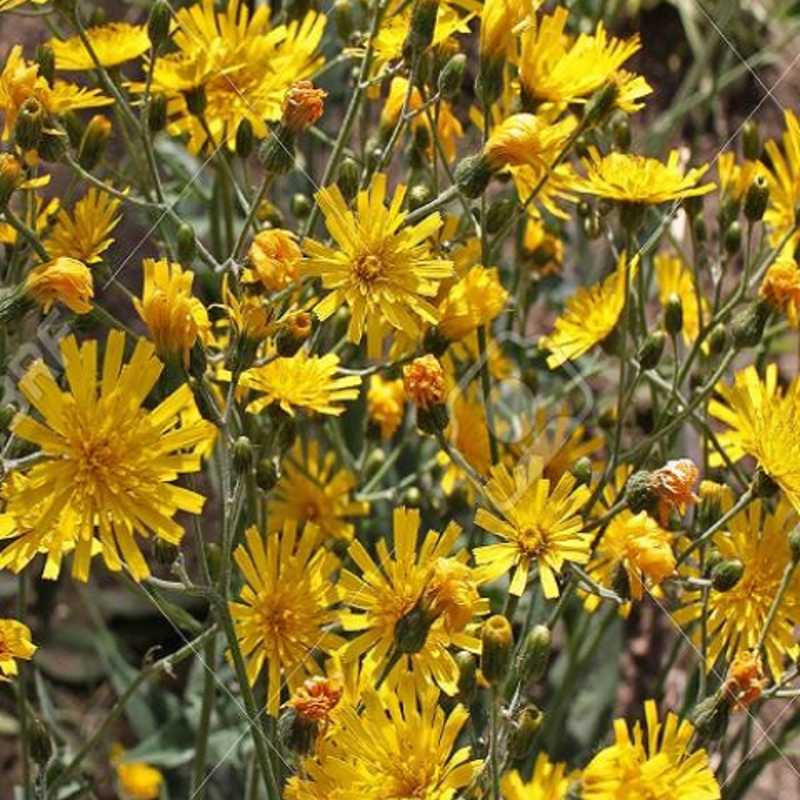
(602, 102)
(435, 342)
(348, 178)
(157, 113)
(467, 677)
(411, 630)
(203, 401)
(673, 314)
(93, 143)
(522, 730)
(159, 23)
(300, 205)
(245, 138)
(30, 123)
(267, 474)
(727, 574)
(651, 349)
(343, 17)
(751, 140)
(451, 78)
(40, 742)
(296, 732)
(276, 153)
(242, 455)
(710, 718)
(640, 493)
(621, 131)
(756, 199)
(732, 240)
(419, 196)
(46, 59)
(412, 497)
(473, 174)
(592, 227)
(498, 213)
(421, 28)
(497, 644)
(186, 244)
(196, 101)
(534, 655)
(748, 325)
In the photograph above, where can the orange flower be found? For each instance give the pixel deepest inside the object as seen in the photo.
(423, 380)
(745, 680)
(273, 260)
(302, 106)
(317, 697)
(673, 486)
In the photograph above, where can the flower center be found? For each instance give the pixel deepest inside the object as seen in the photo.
(368, 268)
(533, 539)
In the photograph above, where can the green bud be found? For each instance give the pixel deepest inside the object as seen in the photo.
(497, 640)
(717, 340)
(757, 199)
(584, 209)
(245, 138)
(242, 456)
(53, 146)
(451, 78)
(522, 730)
(30, 123)
(713, 560)
(343, 17)
(412, 497)
(621, 131)
(592, 227)
(419, 196)
(601, 103)
(296, 733)
(7, 413)
(40, 742)
(267, 474)
(582, 471)
(751, 140)
(621, 582)
(186, 244)
(276, 153)
(198, 360)
(639, 493)
(534, 655)
(166, 553)
(710, 718)
(490, 81)
(467, 677)
(196, 101)
(435, 342)
(157, 113)
(727, 574)
(498, 214)
(693, 206)
(473, 175)
(97, 18)
(300, 205)
(433, 419)
(213, 559)
(411, 630)
(673, 314)
(421, 28)
(94, 140)
(732, 240)
(375, 460)
(700, 229)
(159, 23)
(46, 60)
(747, 327)
(651, 349)
(203, 401)
(348, 178)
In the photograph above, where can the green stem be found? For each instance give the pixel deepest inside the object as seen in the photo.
(494, 736)
(26, 233)
(197, 787)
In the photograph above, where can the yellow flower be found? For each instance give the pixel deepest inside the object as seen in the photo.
(498, 22)
(174, 318)
(784, 181)
(549, 782)
(383, 272)
(735, 618)
(629, 178)
(674, 276)
(781, 285)
(528, 139)
(424, 382)
(113, 44)
(65, 280)
(541, 525)
(763, 422)
(386, 404)
(302, 381)
(471, 303)
(469, 435)
(139, 781)
(104, 458)
(552, 187)
(8, 5)
(274, 260)
(402, 745)
(591, 315)
(659, 763)
(85, 234)
(15, 642)
(387, 609)
(311, 489)
(553, 67)
(243, 66)
(286, 607)
(20, 81)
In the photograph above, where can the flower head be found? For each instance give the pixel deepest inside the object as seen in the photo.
(113, 44)
(745, 680)
(781, 285)
(541, 525)
(590, 317)
(658, 763)
(108, 464)
(629, 178)
(424, 382)
(85, 233)
(302, 381)
(15, 642)
(383, 272)
(527, 139)
(317, 697)
(386, 404)
(174, 317)
(138, 780)
(274, 259)
(302, 106)
(63, 280)
(673, 485)
(471, 303)
(285, 607)
(550, 781)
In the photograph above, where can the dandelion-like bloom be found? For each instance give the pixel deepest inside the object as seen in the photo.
(85, 233)
(673, 486)
(783, 177)
(15, 642)
(471, 303)
(402, 745)
(498, 21)
(675, 277)
(302, 381)
(735, 618)
(104, 458)
(629, 178)
(386, 404)
(274, 260)
(63, 280)
(317, 697)
(173, 316)
(550, 781)
(241, 64)
(655, 763)
(382, 271)
(590, 316)
(312, 489)
(745, 680)
(763, 424)
(113, 44)
(781, 285)
(424, 382)
(527, 139)
(139, 781)
(469, 435)
(285, 608)
(385, 604)
(541, 525)
(554, 68)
